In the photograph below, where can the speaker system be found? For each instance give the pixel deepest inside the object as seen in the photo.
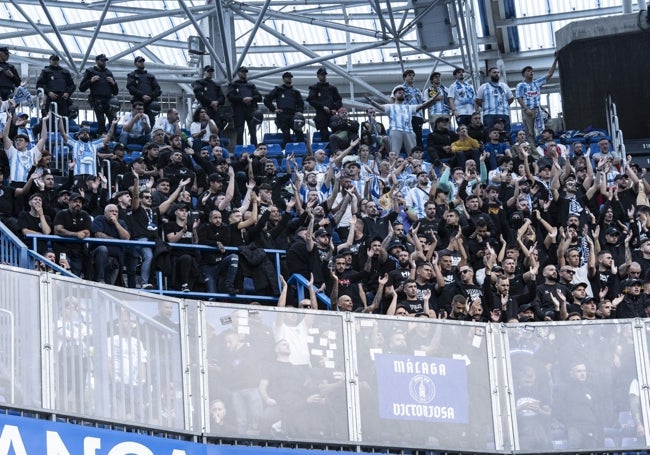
(615, 64)
(435, 29)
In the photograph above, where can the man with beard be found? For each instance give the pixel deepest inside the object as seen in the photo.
(73, 222)
(145, 222)
(400, 115)
(176, 171)
(605, 275)
(544, 305)
(465, 286)
(494, 98)
(58, 86)
(326, 100)
(83, 151)
(103, 87)
(108, 259)
(217, 264)
(143, 86)
(376, 225)
(461, 99)
(634, 303)
(210, 199)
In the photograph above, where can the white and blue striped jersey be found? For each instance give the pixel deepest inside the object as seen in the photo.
(463, 95)
(531, 92)
(400, 116)
(85, 155)
(439, 107)
(21, 162)
(413, 97)
(417, 198)
(495, 98)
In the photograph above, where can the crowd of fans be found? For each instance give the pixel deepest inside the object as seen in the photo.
(473, 222)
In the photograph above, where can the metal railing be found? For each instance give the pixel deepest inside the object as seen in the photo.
(254, 373)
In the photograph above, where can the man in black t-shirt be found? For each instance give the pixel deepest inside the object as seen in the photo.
(73, 222)
(34, 221)
(145, 222)
(217, 263)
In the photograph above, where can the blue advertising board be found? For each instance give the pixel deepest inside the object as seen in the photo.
(28, 436)
(421, 388)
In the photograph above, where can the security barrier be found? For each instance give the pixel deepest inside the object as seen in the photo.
(101, 353)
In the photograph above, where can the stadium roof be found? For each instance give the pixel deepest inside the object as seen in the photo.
(365, 45)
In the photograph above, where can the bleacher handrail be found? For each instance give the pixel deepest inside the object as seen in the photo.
(35, 238)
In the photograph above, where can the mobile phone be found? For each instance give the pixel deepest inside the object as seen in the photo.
(63, 257)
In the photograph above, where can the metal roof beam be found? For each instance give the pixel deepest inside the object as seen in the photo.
(88, 24)
(251, 36)
(244, 9)
(557, 17)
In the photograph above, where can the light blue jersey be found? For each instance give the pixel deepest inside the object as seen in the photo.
(496, 98)
(85, 155)
(400, 116)
(439, 107)
(463, 95)
(531, 92)
(21, 162)
(413, 97)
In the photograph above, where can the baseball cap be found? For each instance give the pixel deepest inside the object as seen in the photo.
(396, 89)
(138, 160)
(139, 58)
(321, 232)
(287, 74)
(22, 114)
(208, 68)
(265, 186)
(75, 196)
(612, 231)
(214, 177)
(54, 57)
(577, 285)
(242, 69)
(4, 49)
(632, 281)
(394, 244)
(321, 71)
(63, 193)
(101, 57)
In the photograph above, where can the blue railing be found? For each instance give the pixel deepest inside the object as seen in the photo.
(297, 280)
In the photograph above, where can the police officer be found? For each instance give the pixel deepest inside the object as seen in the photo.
(210, 95)
(58, 86)
(9, 78)
(288, 101)
(143, 86)
(325, 98)
(103, 87)
(244, 97)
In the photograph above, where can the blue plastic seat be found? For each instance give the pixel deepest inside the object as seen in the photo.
(239, 149)
(297, 148)
(274, 150)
